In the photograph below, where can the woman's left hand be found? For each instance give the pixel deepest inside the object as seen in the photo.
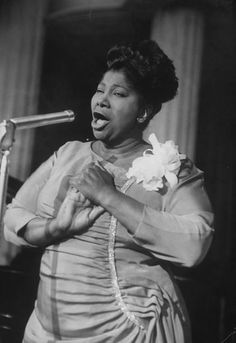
(95, 183)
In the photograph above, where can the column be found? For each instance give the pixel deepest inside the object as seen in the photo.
(179, 33)
(21, 38)
(21, 43)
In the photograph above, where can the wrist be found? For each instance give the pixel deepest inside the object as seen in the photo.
(107, 198)
(52, 231)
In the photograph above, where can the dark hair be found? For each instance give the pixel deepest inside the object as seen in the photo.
(148, 68)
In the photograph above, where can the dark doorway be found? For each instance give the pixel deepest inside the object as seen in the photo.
(73, 61)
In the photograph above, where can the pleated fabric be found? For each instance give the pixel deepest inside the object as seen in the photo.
(80, 299)
(100, 286)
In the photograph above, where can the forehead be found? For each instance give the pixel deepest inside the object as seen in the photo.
(113, 77)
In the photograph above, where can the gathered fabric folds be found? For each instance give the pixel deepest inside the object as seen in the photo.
(96, 290)
(106, 285)
(81, 299)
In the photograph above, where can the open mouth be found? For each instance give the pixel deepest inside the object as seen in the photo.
(99, 121)
(98, 116)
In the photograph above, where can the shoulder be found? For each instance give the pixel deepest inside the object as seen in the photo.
(188, 171)
(73, 147)
(72, 150)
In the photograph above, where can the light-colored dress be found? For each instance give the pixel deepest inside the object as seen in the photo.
(105, 285)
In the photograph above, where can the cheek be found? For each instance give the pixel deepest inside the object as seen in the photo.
(132, 114)
(128, 121)
(93, 101)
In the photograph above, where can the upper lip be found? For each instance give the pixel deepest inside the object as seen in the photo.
(99, 115)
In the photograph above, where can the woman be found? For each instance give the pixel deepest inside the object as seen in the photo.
(113, 214)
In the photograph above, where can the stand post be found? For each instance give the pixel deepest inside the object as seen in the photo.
(7, 134)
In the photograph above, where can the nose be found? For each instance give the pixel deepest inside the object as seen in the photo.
(102, 100)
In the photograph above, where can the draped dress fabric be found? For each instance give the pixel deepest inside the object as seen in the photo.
(106, 285)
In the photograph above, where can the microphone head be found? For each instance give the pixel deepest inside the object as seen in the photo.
(37, 120)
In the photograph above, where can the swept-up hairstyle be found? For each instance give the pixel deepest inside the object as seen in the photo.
(148, 69)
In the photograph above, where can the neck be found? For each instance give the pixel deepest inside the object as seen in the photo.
(126, 147)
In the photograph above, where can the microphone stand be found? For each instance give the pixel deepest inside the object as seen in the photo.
(7, 137)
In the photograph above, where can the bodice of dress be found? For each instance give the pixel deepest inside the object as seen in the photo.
(101, 280)
(107, 285)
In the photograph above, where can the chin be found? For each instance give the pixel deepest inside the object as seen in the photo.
(99, 135)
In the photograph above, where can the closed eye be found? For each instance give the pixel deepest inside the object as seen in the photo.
(99, 90)
(119, 94)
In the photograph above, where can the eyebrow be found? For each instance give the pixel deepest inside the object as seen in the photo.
(115, 85)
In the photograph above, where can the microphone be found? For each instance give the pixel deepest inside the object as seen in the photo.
(7, 133)
(29, 122)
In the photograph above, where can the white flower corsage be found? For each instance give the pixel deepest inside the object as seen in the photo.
(157, 165)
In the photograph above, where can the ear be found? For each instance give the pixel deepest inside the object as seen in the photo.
(142, 117)
(147, 112)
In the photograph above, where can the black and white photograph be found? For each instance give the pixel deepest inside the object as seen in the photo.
(117, 171)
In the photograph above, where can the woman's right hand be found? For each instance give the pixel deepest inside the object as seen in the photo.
(75, 215)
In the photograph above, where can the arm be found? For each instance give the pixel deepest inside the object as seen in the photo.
(181, 233)
(23, 208)
(75, 214)
(23, 225)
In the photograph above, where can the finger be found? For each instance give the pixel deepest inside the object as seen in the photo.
(96, 212)
(100, 165)
(72, 193)
(91, 165)
(75, 181)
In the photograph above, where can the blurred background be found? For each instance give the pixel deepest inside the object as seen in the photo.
(51, 55)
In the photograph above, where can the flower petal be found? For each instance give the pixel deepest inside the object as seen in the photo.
(171, 178)
(153, 185)
(162, 160)
(155, 143)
